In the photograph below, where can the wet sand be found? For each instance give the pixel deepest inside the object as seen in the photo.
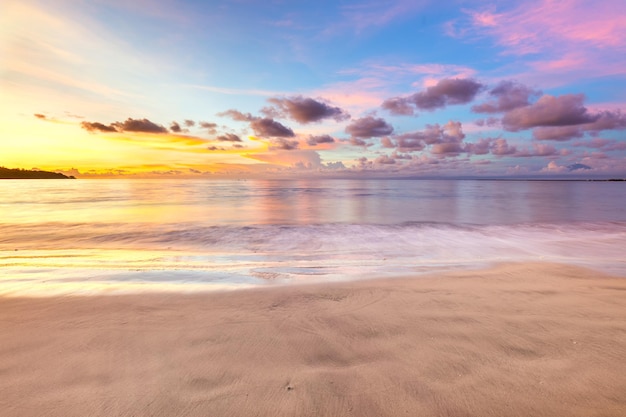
(515, 340)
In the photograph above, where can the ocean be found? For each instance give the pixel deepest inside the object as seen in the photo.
(113, 236)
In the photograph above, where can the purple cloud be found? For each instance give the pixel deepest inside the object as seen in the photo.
(315, 140)
(237, 116)
(607, 120)
(482, 147)
(447, 148)
(559, 133)
(175, 127)
(358, 142)
(450, 133)
(304, 110)
(604, 144)
(489, 121)
(270, 128)
(565, 110)
(283, 144)
(398, 106)
(369, 127)
(386, 142)
(538, 149)
(507, 95)
(410, 142)
(208, 125)
(500, 147)
(138, 125)
(385, 160)
(97, 127)
(263, 127)
(446, 92)
(229, 137)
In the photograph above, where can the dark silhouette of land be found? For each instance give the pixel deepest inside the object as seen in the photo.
(14, 174)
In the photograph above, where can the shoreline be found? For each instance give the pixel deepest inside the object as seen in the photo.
(517, 339)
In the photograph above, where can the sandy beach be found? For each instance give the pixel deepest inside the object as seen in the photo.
(515, 340)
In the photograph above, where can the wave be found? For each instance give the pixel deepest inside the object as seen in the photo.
(418, 241)
(61, 258)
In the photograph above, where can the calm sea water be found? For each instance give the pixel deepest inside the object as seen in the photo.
(86, 236)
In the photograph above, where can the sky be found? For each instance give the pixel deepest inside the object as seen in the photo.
(301, 89)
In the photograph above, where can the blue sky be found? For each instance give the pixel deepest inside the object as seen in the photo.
(290, 88)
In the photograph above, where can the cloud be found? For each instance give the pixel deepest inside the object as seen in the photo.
(448, 138)
(553, 167)
(482, 147)
(559, 133)
(396, 155)
(544, 25)
(604, 144)
(500, 147)
(315, 140)
(399, 106)
(507, 95)
(564, 41)
(408, 142)
(369, 127)
(386, 142)
(447, 148)
(237, 116)
(263, 127)
(97, 127)
(228, 137)
(565, 110)
(538, 149)
(448, 91)
(39, 115)
(385, 160)
(607, 120)
(129, 125)
(577, 166)
(138, 125)
(210, 127)
(364, 16)
(267, 127)
(335, 165)
(358, 142)
(562, 118)
(175, 127)
(489, 121)
(189, 123)
(283, 144)
(304, 110)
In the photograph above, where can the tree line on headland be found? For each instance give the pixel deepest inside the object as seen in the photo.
(14, 174)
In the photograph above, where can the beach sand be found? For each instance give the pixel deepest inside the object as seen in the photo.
(515, 340)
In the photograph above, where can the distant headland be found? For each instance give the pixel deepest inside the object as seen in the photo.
(16, 174)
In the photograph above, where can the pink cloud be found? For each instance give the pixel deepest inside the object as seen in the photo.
(372, 14)
(572, 39)
(570, 61)
(485, 18)
(554, 168)
(534, 25)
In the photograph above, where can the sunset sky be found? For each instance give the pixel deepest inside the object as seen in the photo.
(302, 89)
